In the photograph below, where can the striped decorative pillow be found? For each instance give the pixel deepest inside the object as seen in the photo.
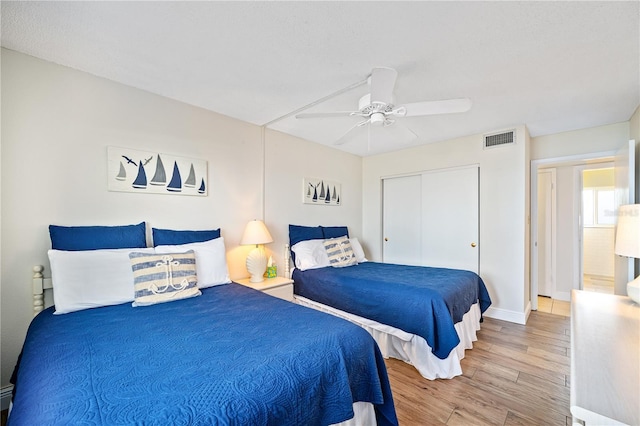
(165, 277)
(340, 252)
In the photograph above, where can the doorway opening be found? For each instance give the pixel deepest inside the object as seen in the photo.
(598, 228)
(556, 226)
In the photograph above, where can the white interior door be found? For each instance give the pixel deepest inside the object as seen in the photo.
(545, 233)
(401, 220)
(450, 218)
(625, 168)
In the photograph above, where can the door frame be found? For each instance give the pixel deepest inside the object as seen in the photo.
(535, 165)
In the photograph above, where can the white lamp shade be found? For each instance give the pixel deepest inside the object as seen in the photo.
(256, 232)
(628, 231)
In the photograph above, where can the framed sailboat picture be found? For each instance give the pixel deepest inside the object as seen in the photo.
(321, 192)
(131, 170)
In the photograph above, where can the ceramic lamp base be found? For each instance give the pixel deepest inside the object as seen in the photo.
(257, 264)
(633, 290)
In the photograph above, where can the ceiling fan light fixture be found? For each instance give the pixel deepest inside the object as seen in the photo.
(377, 118)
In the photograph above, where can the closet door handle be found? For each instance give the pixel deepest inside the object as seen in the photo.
(473, 244)
(386, 239)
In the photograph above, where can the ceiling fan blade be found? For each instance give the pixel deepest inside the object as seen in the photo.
(351, 133)
(396, 133)
(433, 107)
(383, 81)
(327, 114)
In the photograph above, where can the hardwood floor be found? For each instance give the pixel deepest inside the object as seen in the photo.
(514, 375)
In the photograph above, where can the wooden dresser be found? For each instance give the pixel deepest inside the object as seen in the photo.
(605, 359)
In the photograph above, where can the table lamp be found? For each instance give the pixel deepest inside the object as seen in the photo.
(256, 233)
(628, 242)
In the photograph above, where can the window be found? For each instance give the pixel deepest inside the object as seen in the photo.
(598, 208)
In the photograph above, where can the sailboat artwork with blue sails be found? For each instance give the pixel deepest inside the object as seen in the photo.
(138, 171)
(321, 192)
(176, 181)
(141, 178)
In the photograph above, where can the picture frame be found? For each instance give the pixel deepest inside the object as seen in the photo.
(131, 170)
(321, 192)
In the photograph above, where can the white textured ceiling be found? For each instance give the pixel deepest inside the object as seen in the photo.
(553, 66)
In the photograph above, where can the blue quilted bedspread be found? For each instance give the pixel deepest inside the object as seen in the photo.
(233, 356)
(419, 300)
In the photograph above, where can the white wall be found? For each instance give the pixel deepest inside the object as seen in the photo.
(56, 126)
(288, 161)
(634, 133)
(504, 193)
(578, 142)
(561, 150)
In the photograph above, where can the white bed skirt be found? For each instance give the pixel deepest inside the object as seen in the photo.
(411, 348)
(365, 415)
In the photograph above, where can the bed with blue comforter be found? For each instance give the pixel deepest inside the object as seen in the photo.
(423, 301)
(233, 356)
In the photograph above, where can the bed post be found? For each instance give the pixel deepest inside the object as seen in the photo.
(38, 289)
(39, 285)
(287, 257)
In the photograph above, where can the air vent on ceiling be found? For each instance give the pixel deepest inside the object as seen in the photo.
(498, 139)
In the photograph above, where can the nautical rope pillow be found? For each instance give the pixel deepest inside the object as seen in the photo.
(164, 277)
(340, 252)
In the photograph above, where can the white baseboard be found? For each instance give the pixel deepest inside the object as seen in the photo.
(5, 397)
(506, 315)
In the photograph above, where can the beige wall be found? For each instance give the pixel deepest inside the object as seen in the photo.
(503, 209)
(288, 161)
(56, 126)
(593, 140)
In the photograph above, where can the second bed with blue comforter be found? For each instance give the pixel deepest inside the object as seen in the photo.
(419, 300)
(232, 356)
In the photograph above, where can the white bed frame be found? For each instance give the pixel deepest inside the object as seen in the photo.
(39, 285)
(410, 348)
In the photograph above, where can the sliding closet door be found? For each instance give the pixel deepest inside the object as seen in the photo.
(450, 206)
(401, 220)
(431, 219)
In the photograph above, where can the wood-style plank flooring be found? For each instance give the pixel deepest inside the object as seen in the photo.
(514, 375)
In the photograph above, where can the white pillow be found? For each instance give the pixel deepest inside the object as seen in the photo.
(357, 250)
(340, 252)
(211, 260)
(310, 254)
(92, 278)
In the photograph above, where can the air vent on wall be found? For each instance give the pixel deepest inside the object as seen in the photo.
(498, 139)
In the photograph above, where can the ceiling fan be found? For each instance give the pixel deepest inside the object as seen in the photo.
(379, 112)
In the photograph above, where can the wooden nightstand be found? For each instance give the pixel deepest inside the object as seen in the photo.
(279, 287)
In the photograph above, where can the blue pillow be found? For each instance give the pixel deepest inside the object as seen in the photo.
(170, 237)
(77, 238)
(302, 233)
(334, 231)
(299, 233)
